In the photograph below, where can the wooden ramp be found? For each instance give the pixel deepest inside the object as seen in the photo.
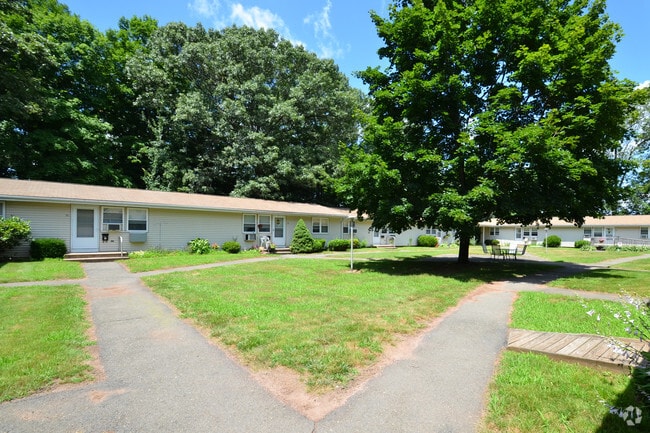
(587, 349)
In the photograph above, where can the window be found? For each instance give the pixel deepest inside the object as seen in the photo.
(644, 232)
(494, 231)
(249, 223)
(2, 209)
(346, 227)
(598, 232)
(587, 233)
(137, 220)
(112, 218)
(320, 225)
(609, 232)
(264, 224)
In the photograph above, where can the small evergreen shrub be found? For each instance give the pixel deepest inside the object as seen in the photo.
(199, 246)
(302, 241)
(319, 245)
(232, 247)
(13, 231)
(553, 241)
(47, 248)
(582, 244)
(427, 241)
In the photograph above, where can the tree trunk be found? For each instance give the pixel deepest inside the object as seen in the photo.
(463, 250)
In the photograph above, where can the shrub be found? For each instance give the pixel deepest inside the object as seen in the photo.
(339, 244)
(13, 231)
(583, 244)
(553, 241)
(47, 248)
(427, 241)
(199, 246)
(302, 241)
(232, 247)
(319, 245)
(489, 242)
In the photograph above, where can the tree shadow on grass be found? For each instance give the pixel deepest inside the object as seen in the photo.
(448, 267)
(612, 423)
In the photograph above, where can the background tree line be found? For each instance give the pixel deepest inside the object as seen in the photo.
(233, 111)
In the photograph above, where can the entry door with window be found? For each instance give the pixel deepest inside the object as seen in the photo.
(278, 231)
(85, 229)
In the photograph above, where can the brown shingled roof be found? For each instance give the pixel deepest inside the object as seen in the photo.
(611, 220)
(54, 192)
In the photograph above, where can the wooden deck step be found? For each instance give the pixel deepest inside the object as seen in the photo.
(586, 349)
(96, 257)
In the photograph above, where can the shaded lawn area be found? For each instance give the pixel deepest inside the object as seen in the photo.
(39, 270)
(42, 338)
(631, 277)
(315, 316)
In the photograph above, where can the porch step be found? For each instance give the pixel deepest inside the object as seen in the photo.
(284, 250)
(385, 246)
(96, 257)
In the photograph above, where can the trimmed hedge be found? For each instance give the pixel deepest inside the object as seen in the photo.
(232, 247)
(553, 241)
(47, 248)
(582, 244)
(427, 241)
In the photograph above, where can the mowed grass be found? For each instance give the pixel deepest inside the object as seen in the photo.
(154, 260)
(42, 270)
(532, 393)
(538, 311)
(631, 277)
(42, 338)
(315, 316)
(576, 255)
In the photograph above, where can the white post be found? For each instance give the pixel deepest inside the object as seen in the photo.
(546, 240)
(351, 244)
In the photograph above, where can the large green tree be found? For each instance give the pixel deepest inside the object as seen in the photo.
(502, 109)
(241, 111)
(67, 109)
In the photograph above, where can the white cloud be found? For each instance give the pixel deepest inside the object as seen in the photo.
(643, 85)
(256, 17)
(205, 8)
(328, 45)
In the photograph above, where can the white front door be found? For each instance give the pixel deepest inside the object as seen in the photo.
(376, 239)
(85, 229)
(279, 238)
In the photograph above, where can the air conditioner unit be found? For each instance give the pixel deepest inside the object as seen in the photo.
(111, 227)
(251, 237)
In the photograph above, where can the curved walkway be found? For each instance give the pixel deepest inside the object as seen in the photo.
(162, 375)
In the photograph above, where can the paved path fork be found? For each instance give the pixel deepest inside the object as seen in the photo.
(161, 375)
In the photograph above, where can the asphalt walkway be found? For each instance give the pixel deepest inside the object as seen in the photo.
(162, 375)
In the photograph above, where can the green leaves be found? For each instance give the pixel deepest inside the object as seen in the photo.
(504, 109)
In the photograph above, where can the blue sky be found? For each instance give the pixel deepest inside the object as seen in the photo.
(339, 29)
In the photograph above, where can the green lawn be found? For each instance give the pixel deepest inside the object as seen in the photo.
(576, 255)
(42, 270)
(532, 393)
(42, 338)
(315, 316)
(631, 277)
(154, 260)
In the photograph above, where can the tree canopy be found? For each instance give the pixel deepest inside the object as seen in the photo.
(243, 112)
(503, 109)
(233, 111)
